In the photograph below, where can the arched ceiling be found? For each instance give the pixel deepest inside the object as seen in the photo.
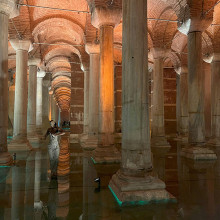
(59, 31)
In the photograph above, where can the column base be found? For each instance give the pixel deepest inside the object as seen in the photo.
(159, 142)
(83, 138)
(107, 154)
(5, 159)
(35, 141)
(214, 142)
(198, 152)
(90, 144)
(129, 190)
(17, 145)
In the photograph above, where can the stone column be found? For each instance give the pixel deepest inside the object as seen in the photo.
(31, 112)
(106, 19)
(6, 9)
(133, 182)
(84, 136)
(45, 105)
(184, 115)
(196, 149)
(20, 141)
(157, 127)
(40, 76)
(94, 51)
(215, 100)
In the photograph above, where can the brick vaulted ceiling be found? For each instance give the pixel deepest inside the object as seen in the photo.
(60, 29)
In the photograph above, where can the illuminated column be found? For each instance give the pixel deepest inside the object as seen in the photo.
(196, 149)
(32, 91)
(157, 127)
(6, 11)
(106, 19)
(133, 183)
(94, 52)
(20, 141)
(215, 100)
(40, 76)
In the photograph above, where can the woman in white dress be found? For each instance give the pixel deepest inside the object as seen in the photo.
(53, 147)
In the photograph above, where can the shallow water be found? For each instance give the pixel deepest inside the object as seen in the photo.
(26, 191)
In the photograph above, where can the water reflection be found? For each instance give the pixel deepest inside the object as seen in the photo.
(26, 192)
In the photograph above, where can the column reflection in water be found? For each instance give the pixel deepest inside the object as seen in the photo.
(63, 178)
(4, 192)
(89, 174)
(58, 198)
(196, 189)
(38, 204)
(18, 177)
(29, 187)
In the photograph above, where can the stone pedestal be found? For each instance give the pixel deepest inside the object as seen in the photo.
(215, 101)
(196, 148)
(39, 109)
(158, 138)
(133, 184)
(6, 9)
(92, 141)
(20, 141)
(106, 19)
(31, 112)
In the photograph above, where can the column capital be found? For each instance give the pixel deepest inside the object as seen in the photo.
(34, 61)
(158, 52)
(9, 8)
(192, 21)
(181, 70)
(41, 74)
(92, 48)
(105, 16)
(21, 44)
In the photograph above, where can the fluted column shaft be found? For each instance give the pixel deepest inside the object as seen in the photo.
(195, 89)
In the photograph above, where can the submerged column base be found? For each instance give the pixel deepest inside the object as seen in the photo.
(159, 141)
(5, 159)
(198, 152)
(129, 190)
(106, 154)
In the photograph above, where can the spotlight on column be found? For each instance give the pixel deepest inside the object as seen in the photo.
(97, 180)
